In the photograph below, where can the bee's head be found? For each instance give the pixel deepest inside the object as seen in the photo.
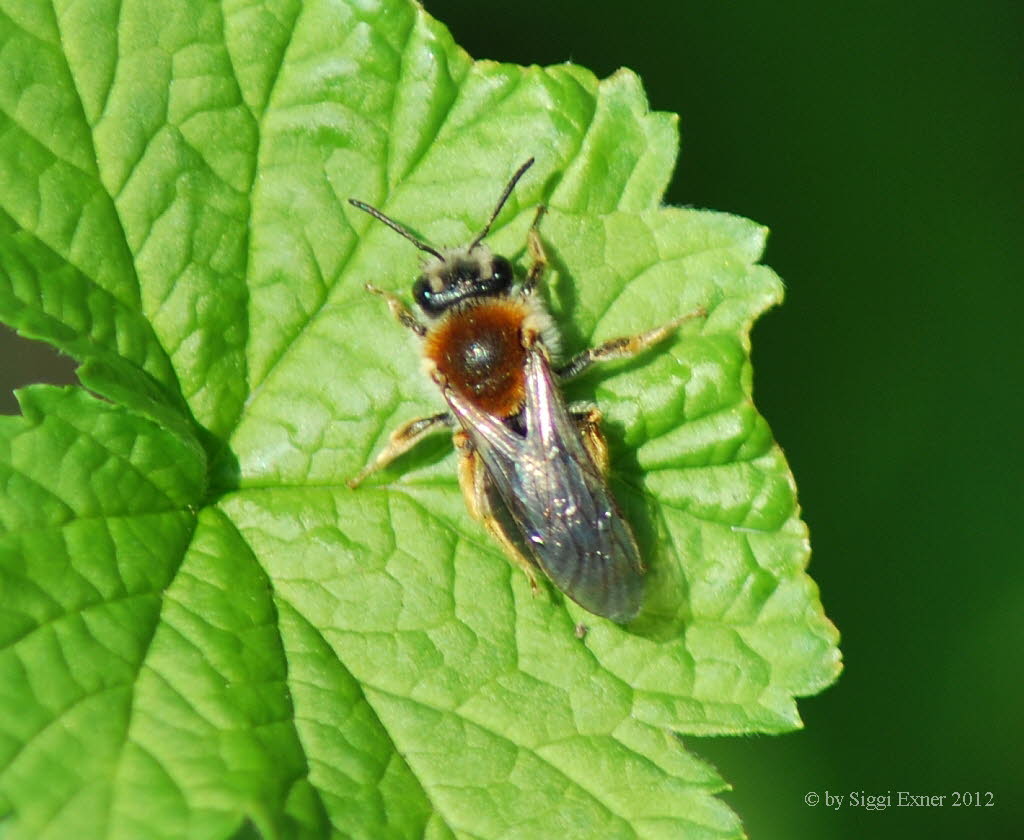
(460, 275)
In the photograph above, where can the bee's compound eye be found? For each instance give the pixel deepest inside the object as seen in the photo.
(422, 295)
(501, 274)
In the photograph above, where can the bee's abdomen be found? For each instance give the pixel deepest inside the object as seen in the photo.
(479, 351)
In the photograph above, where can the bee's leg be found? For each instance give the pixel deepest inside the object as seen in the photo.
(474, 491)
(536, 249)
(622, 348)
(588, 422)
(399, 310)
(403, 439)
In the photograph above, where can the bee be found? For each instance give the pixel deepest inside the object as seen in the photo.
(531, 468)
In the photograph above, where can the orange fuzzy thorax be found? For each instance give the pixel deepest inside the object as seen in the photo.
(478, 349)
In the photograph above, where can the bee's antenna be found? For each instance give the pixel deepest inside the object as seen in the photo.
(501, 202)
(397, 228)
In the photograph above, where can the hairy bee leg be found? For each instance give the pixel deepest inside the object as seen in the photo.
(469, 476)
(399, 310)
(537, 254)
(471, 481)
(402, 439)
(622, 348)
(588, 423)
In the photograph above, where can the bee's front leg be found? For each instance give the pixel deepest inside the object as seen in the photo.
(399, 310)
(537, 254)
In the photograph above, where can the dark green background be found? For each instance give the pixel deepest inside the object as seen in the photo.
(881, 142)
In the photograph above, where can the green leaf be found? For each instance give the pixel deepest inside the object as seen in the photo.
(205, 632)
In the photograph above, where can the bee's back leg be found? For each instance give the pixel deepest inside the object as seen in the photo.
(473, 481)
(588, 422)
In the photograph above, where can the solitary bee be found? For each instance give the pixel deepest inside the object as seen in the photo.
(531, 468)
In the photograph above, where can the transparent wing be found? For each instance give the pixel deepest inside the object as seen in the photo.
(557, 498)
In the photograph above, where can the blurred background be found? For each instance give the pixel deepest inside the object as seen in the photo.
(883, 144)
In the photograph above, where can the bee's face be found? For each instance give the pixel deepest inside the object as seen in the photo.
(460, 275)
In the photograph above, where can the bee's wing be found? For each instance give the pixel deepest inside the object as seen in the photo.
(557, 497)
